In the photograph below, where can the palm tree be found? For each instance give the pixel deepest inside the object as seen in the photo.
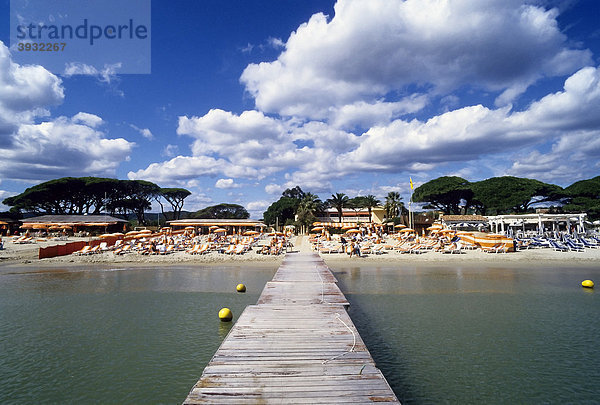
(307, 208)
(370, 202)
(392, 204)
(338, 201)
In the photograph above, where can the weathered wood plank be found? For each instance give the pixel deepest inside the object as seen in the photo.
(296, 346)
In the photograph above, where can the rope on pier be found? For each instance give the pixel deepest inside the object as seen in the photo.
(338, 317)
(353, 343)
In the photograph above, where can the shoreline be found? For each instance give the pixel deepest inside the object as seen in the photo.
(15, 255)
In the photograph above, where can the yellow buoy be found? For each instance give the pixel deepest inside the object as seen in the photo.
(587, 284)
(225, 315)
(240, 288)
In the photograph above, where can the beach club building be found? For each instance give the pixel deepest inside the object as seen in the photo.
(353, 215)
(205, 226)
(74, 223)
(537, 224)
(465, 222)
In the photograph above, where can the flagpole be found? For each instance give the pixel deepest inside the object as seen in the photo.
(410, 216)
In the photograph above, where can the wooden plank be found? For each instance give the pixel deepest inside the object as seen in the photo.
(297, 345)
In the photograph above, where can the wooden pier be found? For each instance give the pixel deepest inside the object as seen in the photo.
(296, 346)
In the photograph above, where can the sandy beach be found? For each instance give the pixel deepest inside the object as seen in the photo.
(27, 254)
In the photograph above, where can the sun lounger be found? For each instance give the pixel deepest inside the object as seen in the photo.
(84, 250)
(574, 247)
(559, 247)
(194, 249)
(588, 244)
(494, 249)
(122, 250)
(378, 249)
(205, 248)
(23, 239)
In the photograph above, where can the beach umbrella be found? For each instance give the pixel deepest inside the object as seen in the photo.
(250, 233)
(346, 227)
(132, 233)
(39, 226)
(406, 230)
(213, 227)
(353, 231)
(317, 229)
(220, 230)
(189, 228)
(399, 226)
(117, 234)
(434, 227)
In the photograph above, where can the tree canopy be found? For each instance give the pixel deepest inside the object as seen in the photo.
(446, 193)
(222, 211)
(91, 195)
(584, 196)
(283, 211)
(507, 194)
(175, 197)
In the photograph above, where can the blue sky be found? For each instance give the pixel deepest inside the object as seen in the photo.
(247, 98)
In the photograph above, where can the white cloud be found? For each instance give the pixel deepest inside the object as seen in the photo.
(369, 49)
(261, 205)
(107, 74)
(25, 93)
(52, 148)
(62, 147)
(366, 115)
(3, 195)
(197, 200)
(145, 132)
(569, 118)
(170, 150)
(272, 188)
(226, 183)
(90, 120)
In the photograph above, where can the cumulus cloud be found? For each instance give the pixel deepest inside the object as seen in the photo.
(470, 132)
(3, 195)
(226, 183)
(369, 49)
(170, 150)
(63, 147)
(55, 147)
(257, 205)
(145, 132)
(26, 92)
(272, 188)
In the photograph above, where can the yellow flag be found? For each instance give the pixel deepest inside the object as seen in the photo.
(411, 184)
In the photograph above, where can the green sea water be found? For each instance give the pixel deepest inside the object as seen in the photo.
(480, 335)
(440, 334)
